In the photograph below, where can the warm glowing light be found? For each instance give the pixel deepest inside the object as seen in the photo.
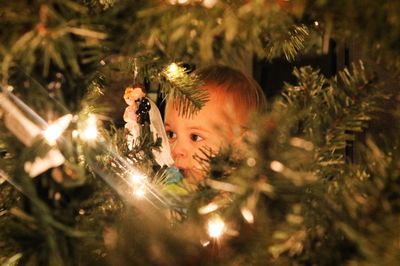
(89, 130)
(54, 131)
(209, 3)
(251, 162)
(301, 143)
(181, 2)
(204, 243)
(75, 133)
(137, 181)
(137, 178)
(172, 69)
(139, 192)
(247, 215)
(277, 166)
(215, 227)
(208, 208)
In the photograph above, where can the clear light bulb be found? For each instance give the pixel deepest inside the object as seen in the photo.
(215, 227)
(139, 192)
(54, 131)
(89, 131)
(137, 178)
(247, 215)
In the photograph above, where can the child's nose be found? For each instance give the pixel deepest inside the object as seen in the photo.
(179, 150)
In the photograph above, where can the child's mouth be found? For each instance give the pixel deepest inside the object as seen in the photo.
(185, 172)
(194, 175)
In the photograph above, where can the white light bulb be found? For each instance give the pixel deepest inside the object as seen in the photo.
(208, 208)
(172, 69)
(209, 3)
(215, 227)
(139, 192)
(137, 178)
(89, 131)
(54, 131)
(247, 215)
(277, 166)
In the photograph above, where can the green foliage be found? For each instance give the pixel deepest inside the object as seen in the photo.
(318, 208)
(52, 38)
(294, 196)
(182, 90)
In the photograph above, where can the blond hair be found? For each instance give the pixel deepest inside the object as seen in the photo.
(245, 91)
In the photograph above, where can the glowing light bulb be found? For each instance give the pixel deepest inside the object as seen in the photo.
(251, 162)
(208, 208)
(301, 143)
(277, 166)
(204, 243)
(137, 178)
(209, 3)
(215, 227)
(54, 131)
(247, 215)
(172, 69)
(89, 131)
(139, 192)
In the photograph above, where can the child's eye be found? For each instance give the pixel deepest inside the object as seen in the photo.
(195, 137)
(171, 134)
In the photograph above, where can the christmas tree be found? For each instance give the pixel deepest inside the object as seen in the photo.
(319, 184)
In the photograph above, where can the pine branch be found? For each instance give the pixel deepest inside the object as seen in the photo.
(51, 40)
(293, 198)
(338, 109)
(289, 44)
(183, 90)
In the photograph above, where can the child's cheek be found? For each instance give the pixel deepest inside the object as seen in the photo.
(216, 143)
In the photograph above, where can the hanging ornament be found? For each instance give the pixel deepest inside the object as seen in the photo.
(142, 110)
(132, 96)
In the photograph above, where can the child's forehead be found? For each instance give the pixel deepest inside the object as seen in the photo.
(220, 104)
(216, 112)
(215, 93)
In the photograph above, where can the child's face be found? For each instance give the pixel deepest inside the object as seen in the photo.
(213, 127)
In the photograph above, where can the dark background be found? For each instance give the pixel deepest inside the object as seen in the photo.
(271, 75)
